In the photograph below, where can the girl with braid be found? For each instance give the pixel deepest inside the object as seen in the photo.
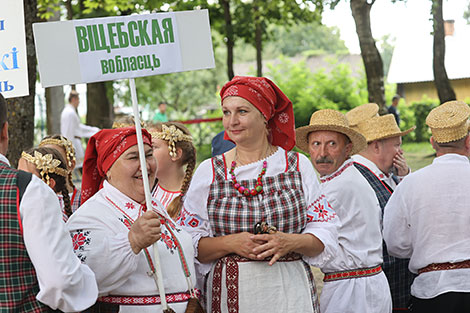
(176, 159)
(66, 149)
(50, 166)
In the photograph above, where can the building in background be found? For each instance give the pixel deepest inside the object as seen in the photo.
(412, 70)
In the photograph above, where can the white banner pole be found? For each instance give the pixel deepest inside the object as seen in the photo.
(148, 198)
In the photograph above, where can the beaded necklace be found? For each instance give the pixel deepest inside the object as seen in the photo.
(259, 182)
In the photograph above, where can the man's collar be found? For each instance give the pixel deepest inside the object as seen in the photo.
(338, 172)
(371, 165)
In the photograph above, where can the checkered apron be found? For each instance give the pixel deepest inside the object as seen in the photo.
(282, 204)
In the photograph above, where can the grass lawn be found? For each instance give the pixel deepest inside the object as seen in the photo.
(418, 155)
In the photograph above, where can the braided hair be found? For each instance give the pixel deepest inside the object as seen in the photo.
(68, 149)
(188, 158)
(60, 180)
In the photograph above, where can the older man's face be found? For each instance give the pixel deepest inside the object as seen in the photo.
(328, 150)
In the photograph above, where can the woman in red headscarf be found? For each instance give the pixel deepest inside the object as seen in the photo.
(251, 211)
(113, 231)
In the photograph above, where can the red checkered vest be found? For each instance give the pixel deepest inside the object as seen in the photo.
(18, 282)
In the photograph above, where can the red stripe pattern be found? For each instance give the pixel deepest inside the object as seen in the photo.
(148, 300)
(357, 273)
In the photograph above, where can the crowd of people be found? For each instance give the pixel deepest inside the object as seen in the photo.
(242, 231)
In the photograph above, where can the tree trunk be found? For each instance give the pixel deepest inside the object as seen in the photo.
(441, 81)
(21, 110)
(100, 112)
(230, 37)
(54, 105)
(54, 99)
(370, 54)
(258, 41)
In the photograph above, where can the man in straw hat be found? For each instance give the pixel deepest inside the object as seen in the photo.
(354, 281)
(384, 153)
(362, 113)
(428, 215)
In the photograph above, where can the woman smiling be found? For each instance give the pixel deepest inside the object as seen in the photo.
(113, 231)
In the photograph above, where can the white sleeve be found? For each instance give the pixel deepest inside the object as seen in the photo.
(64, 282)
(396, 228)
(322, 221)
(86, 131)
(107, 251)
(194, 217)
(69, 122)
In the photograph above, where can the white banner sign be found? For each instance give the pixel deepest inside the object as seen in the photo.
(109, 48)
(13, 64)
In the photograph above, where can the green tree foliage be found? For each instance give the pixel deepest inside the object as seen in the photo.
(309, 92)
(306, 38)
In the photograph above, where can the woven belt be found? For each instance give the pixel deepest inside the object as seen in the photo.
(363, 272)
(231, 280)
(146, 300)
(444, 266)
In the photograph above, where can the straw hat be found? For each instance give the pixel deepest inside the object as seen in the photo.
(362, 113)
(329, 120)
(381, 127)
(449, 121)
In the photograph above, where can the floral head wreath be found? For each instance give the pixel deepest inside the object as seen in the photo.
(63, 142)
(45, 164)
(172, 134)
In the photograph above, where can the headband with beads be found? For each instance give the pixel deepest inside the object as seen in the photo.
(124, 125)
(172, 134)
(45, 164)
(63, 142)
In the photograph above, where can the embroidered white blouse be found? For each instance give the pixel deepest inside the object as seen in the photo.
(64, 283)
(321, 223)
(427, 219)
(360, 245)
(100, 238)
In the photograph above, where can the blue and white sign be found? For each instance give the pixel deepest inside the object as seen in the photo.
(13, 64)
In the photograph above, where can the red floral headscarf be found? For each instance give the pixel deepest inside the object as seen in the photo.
(270, 101)
(103, 149)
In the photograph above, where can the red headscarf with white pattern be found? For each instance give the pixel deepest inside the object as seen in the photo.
(270, 101)
(103, 149)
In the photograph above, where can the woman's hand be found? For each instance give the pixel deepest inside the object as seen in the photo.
(276, 245)
(144, 232)
(243, 244)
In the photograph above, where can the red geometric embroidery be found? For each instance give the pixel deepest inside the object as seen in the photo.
(78, 240)
(322, 211)
(338, 172)
(193, 222)
(130, 205)
(168, 240)
(142, 300)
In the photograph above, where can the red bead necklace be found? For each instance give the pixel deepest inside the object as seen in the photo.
(246, 191)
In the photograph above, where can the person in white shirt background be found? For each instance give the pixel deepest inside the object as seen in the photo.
(377, 162)
(354, 281)
(50, 276)
(426, 219)
(72, 128)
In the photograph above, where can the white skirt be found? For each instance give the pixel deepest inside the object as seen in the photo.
(286, 286)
